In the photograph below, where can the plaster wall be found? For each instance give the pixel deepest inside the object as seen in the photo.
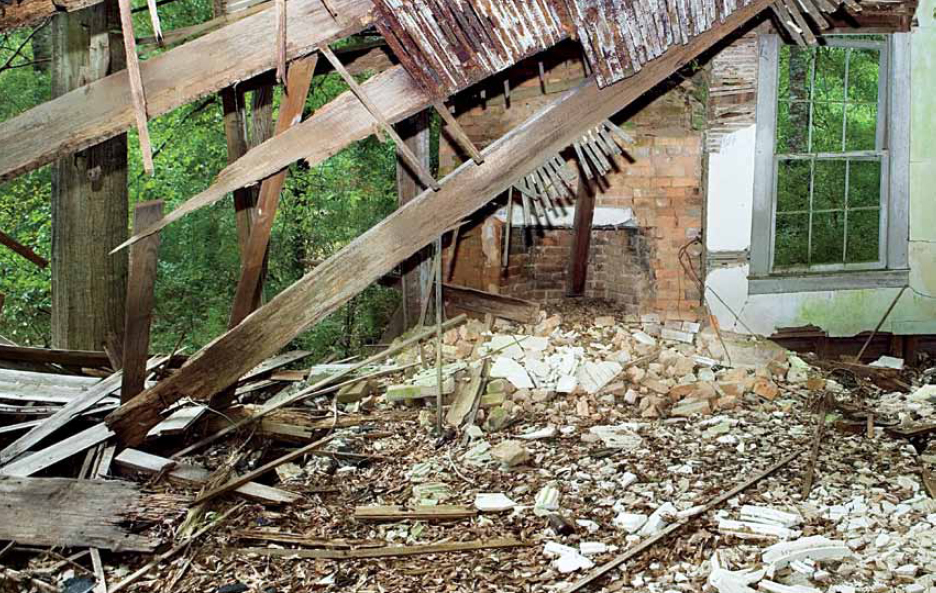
(840, 313)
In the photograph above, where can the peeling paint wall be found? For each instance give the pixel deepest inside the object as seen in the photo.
(840, 313)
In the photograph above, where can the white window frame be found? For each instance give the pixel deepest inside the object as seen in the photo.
(894, 132)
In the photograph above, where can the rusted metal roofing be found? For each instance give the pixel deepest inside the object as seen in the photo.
(448, 45)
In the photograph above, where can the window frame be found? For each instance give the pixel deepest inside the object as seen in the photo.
(894, 139)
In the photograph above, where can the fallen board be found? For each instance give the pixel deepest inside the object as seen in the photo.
(82, 358)
(399, 236)
(103, 109)
(63, 512)
(440, 512)
(28, 465)
(385, 552)
(192, 475)
(498, 305)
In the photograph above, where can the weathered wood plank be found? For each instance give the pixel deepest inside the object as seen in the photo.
(581, 237)
(69, 411)
(137, 94)
(413, 226)
(141, 286)
(342, 121)
(193, 475)
(47, 379)
(103, 109)
(66, 512)
(38, 461)
(479, 301)
(83, 358)
(440, 512)
(299, 78)
(384, 552)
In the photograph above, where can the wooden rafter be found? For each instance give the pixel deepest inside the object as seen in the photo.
(457, 132)
(373, 254)
(402, 149)
(136, 84)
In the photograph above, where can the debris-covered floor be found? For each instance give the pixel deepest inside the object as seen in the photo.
(591, 434)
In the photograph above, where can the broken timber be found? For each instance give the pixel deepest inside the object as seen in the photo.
(385, 552)
(376, 252)
(441, 512)
(103, 109)
(66, 512)
(498, 305)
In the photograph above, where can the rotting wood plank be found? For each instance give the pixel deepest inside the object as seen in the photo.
(137, 92)
(22, 250)
(266, 467)
(466, 396)
(81, 358)
(68, 412)
(581, 235)
(141, 285)
(66, 512)
(458, 134)
(385, 552)
(47, 379)
(40, 460)
(103, 109)
(376, 252)
(299, 79)
(235, 133)
(498, 305)
(342, 121)
(193, 475)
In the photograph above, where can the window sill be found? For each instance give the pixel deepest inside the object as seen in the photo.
(828, 281)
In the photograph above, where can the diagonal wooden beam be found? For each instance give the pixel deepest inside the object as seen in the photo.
(376, 252)
(22, 250)
(299, 79)
(136, 83)
(103, 109)
(457, 132)
(402, 149)
(334, 126)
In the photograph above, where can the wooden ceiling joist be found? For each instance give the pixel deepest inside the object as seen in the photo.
(104, 108)
(376, 252)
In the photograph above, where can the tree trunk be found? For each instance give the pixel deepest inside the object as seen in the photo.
(89, 193)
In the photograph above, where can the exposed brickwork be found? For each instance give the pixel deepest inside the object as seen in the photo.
(639, 268)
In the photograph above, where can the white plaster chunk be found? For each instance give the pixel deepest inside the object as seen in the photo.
(593, 376)
(546, 501)
(507, 368)
(815, 547)
(566, 559)
(493, 502)
(617, 437)
(659, 519)
(566, 384)
(629, 522)
(772, 587)
(769, 515)
(542, 433)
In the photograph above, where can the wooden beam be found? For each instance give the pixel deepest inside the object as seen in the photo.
(455, 129)
(416, 132)
(22, 250)
(141, 285)
(78, 358)
(402, 149)
(334, 126)
(193, 475)
(267, 467)
(376, 252)
(136, 84)
(299, 79)
(68, 412)
(384, 552)
(70, 513)
(581, 234)
(498, 305)
(104, 108)
(40, 460)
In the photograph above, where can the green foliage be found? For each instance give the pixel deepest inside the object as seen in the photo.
(829, 166)
(322, 209)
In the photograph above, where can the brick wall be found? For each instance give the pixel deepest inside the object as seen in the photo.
(639, 268)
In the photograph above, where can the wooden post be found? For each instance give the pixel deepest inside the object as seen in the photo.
(581, 235)
(351, 270)
(416, 133)
(141, 286)
(89, 191)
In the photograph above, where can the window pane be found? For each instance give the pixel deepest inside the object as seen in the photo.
(792, 127)
(864, 184)
(861, 127)
(791, 245)
(793, 186)
(863, 74)
(829, 185)
(828, 238)
(830, 74)
(827, 127)
(864, 228)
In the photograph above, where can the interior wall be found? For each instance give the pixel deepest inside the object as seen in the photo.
(840, 313)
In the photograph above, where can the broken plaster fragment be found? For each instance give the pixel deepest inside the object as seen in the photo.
(546, 501)
(659, 519)
(815, 547)
(567, 559)
(513, 371)
(493, 502)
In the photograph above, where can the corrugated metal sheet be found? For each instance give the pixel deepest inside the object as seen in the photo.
(448, 45)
